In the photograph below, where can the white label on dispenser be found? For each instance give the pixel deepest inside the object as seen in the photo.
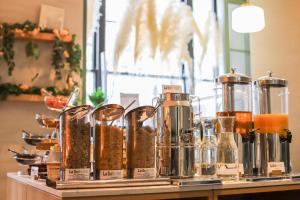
(34, 172)
(241, 169)
(144, 173)
(227, 169)
(77, 174)
(276, 166)
(171, 89)
(111, 174)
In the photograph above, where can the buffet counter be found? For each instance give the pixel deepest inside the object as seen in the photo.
(22, 187)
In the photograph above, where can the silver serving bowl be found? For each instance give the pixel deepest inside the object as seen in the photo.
(32, 139)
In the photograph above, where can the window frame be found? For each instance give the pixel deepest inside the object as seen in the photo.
(227, 48)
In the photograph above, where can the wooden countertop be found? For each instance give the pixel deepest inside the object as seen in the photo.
(226, 188)
(41, 185)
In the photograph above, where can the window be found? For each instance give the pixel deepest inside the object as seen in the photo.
(237, 44)
(146, 76)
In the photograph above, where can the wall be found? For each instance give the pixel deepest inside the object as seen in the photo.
(13, 11)
(277, 48)
(15, 116)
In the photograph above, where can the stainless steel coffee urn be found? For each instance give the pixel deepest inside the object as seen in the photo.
(272, 156)
(175, 142)
(235, 91)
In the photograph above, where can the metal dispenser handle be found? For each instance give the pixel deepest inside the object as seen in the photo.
(285, 150)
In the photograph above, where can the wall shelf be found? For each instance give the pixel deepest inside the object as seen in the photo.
(25, 97)
(47, 37)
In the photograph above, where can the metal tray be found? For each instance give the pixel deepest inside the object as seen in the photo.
(196, 181)
(272, 178)
(295, 176)
(60, 185)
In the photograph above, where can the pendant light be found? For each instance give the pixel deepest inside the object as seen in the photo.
(248, 18)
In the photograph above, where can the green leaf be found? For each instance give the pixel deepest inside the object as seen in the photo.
(97, 97)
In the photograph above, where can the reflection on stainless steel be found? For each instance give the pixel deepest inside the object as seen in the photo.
(175, 142)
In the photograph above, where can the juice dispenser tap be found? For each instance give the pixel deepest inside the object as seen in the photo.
(272, 156)
(235, 99)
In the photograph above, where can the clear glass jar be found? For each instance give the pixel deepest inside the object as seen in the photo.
(235, 99)
(140, 135)
(271, 124)
(228, 162)
(208, 148)
(108, 142)
(74, 142)
(271, 105)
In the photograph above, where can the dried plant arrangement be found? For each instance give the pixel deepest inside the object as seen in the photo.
(176, 31)
(171, 38)
(213, 40)
(140, 15)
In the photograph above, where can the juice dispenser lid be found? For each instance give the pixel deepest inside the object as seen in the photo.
(269, 80)
(233, 77)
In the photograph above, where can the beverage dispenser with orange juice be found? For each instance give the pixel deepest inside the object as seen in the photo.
(235, 99)
(272, 155)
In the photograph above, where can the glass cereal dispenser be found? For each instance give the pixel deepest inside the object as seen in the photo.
(235, 99)
(271, 124)
(107, 143)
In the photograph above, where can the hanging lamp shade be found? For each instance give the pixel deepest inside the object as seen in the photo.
(248, 18)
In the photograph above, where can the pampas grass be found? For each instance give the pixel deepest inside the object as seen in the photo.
(152, 26)
(177, 29)
(141, 15)
(145, 29)
(124, 32)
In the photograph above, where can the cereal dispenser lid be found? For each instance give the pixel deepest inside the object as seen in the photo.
(234, 78)
(270, 80)
(142, 111)
(108, 112)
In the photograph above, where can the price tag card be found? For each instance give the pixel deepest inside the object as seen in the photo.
(111, 174)
(228, 169)
(144, 173)
(241, 169)
(77, 174)
(276, 168)
(34, 173)
(171, 89)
